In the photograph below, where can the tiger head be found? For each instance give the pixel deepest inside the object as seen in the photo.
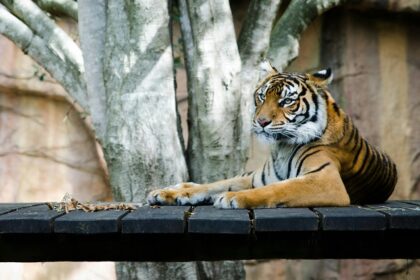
(291, 107)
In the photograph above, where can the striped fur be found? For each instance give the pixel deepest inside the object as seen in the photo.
(318, 157)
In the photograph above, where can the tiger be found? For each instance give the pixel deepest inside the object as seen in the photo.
(317, 155)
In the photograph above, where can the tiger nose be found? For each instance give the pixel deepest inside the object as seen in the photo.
(263, 122)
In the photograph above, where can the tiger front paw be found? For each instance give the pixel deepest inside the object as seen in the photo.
(180, 194)
(241, 199)
(229, 200)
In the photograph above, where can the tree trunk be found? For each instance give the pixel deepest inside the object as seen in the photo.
(213, 67)
(141, 141)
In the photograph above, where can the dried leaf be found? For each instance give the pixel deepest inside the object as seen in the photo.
(68, 204)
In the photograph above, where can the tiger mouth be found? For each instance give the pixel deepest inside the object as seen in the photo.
(274, 135)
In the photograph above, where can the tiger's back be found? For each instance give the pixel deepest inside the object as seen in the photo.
(371, 175)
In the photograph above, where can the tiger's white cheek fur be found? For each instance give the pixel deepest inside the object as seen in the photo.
(311, 130)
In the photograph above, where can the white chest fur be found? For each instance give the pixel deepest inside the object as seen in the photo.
(276, 168)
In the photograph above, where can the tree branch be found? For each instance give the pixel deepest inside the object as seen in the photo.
(255, 34)
(44, 27)
(92, 31)
(59, 7)
(38, 49)
(284, 41)
(187, 39)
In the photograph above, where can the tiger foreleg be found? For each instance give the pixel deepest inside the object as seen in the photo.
(323, 188)
(193, 194)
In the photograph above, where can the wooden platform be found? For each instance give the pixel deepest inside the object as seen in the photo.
(33, 232)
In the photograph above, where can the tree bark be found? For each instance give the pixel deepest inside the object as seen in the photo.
(284, 40)
(44, 27)
(213, 67)
(42, 51)
(92, 32)
(142, 145)
(59, 7)
(253, 44)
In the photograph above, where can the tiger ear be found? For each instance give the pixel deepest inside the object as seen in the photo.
(266, 69)
(321, 78)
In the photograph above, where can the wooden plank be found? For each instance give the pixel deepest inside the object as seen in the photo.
(35, 219)
(208, 219)
(352, 218)
(80, 222)
(10, 207)
(192, 247)
(412, 202)
(285, 219)
(400, 215)
(163, 219)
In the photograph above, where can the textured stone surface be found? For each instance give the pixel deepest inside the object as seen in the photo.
(375, 61)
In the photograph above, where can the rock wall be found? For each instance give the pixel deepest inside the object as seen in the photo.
(375, 57)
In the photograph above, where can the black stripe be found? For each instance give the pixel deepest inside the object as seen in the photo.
(306, 113)
(263, 175)
(366, 157)
(360, 175)
(297, 107)
(373, 177)
(356, 157)
(289, 120)
(303, 92)
(384, 190)
(252, 182)
(315, 100)
(369, 169)
(318, 169)
(314, 118)
(308, 149)
(276, 171)
(246, 173)
(358, 139)
(375, 174)
(303, 159)
(345, 129)
(289, 166)
(336, 109)
(353, 131)
(387, 170)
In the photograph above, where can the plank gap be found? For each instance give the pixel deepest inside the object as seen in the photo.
(320, 217)
(119, 221)
(251, 221)
(187, 215)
